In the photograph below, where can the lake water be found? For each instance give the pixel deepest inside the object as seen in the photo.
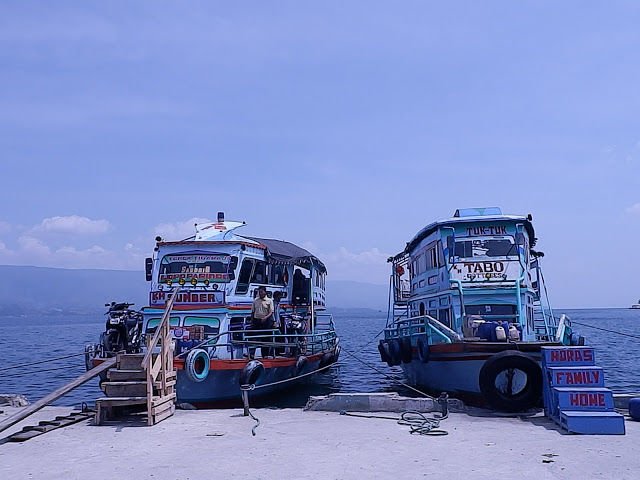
(26, 340)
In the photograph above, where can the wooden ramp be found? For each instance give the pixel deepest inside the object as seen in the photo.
(29, 410)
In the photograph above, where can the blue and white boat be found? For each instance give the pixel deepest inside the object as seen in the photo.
(470, 310)
(218, 273)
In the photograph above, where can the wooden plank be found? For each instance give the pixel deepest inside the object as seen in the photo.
(160, 400)
(168, 383)
(161, 408)
(85, 377)
(161, 416)
(121, 401)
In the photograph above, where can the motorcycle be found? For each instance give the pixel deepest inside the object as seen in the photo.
(295, 328)
(123, 329)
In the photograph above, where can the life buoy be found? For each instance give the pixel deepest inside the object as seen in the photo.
(406, 350)
(251, 373)
(399, 270)
(301, 363)
(196, 365)
(511, 381)
(423, 350)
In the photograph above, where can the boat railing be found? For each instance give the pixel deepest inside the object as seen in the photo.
(238, 342)
(421, 325)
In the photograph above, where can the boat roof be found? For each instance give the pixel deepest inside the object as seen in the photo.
(288, 252)
(223, 232)
(471, 215)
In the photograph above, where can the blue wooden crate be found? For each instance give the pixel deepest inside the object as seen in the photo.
(568, 356)
(592, 423)
(575, 376)
(582, 399)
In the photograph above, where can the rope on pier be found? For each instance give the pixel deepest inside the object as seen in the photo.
(417, 422)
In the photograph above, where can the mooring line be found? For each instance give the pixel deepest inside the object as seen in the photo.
(11, 367)
(631, 335)
(386, 375)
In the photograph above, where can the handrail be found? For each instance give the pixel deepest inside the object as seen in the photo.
(436, 325)
(159, 328)
(162, 391)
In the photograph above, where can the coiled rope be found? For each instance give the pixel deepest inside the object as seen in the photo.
(418, 422)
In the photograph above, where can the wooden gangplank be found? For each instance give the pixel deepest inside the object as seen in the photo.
(29, 410)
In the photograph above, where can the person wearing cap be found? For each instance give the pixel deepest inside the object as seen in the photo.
(262, 319)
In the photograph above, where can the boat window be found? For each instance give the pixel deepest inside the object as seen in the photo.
(153, 323)
(491, 310)
(444, 317)
(244, 276)
(277, 275)
(211, 324)
(486, 248)
(259, 272)
(214, 267)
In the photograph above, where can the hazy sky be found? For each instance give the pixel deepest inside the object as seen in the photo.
(341, 126)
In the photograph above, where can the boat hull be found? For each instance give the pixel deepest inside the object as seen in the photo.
(223, 381)
(455, 368)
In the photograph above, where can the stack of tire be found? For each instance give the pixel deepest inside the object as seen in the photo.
(395, 351)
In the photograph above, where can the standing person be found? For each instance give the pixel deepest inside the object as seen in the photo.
(262, 319)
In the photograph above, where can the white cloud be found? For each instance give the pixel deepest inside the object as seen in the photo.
(179, 230)
(366, 266)
(31, 246)
(73, 224)
(634, 209)
(33, 251)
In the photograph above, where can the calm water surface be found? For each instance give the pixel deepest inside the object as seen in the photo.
(26, 340)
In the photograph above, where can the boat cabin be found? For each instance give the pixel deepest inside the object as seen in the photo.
(476, 267)
(219, 273)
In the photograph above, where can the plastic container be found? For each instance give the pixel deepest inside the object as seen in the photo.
(514, 333)
(501, 335)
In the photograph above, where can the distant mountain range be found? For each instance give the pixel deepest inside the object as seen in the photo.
(27, 290)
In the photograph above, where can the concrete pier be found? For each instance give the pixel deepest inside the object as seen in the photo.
(297, 444)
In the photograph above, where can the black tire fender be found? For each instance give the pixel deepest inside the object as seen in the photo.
(529, 396)
(423, 350)
(301, 363)
(406, 350)
(251, 373)
(395, 351)
(383, 348)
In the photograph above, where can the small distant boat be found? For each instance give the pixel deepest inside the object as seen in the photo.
(636, 306)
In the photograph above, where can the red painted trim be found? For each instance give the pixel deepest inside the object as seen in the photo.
(239, 364)
(211, 242)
